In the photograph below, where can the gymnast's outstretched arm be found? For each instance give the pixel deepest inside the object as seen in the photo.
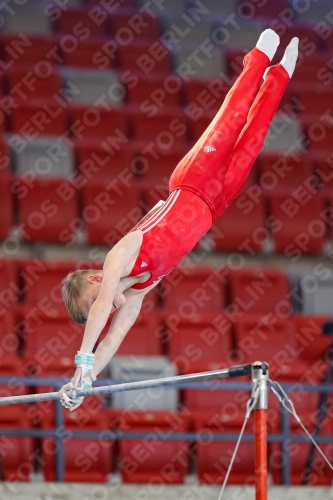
(121, 324)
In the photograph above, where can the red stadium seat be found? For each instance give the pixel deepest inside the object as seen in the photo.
(4, 158)
(82, 22)
(235, 58)
(59, 367)
(285, 172)
(198, 126)
(38, 117)
(300, 228)
(134, 26)
(9, 290)
(206, 338)
(50, 340)
(166, 128)
(156, 168)
(318, 129)
(41, 282)
(6, 206)
(9, 340)
(45, 214)
(145, 57)
(153, 92)
(16, 452)
(299, 452)
(110, 214)
(313, 99)
(91, 53)
(270, 339)
(306, 34)
(103, 124)
(305, 402)
(5, 115)
(252, 8)
(329, 217)
(312, 68)
(229, 234)
(86, 460)
(11, 366)
(324, 173)
(199, 288)
(26, 82)
(95, 163)
(329, 43)
(258, 290)
(214, 457)
(144, 338)
(208, 95)
(28, 50)
(312, 342)
(228, 405)
(320, 142)
(158, 462)
(2, 84)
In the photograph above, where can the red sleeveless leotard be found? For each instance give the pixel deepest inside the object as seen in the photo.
(170, 234)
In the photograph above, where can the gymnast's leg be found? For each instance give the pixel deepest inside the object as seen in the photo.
(199, 165)
(253, 135)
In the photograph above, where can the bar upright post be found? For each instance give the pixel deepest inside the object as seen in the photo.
(260, 374)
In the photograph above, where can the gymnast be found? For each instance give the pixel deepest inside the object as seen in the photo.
(201, 187)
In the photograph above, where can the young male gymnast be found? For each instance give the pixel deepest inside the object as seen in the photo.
(201, 187)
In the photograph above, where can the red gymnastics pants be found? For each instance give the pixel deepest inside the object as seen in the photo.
(217, 166)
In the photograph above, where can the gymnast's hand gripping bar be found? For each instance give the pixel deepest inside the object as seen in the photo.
(233, 371)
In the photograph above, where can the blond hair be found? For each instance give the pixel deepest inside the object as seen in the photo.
(72, 287)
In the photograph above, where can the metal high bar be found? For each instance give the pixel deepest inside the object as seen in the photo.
(233, 371)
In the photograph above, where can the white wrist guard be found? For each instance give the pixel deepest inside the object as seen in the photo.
(85, 362)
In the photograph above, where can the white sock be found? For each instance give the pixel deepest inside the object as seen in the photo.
(268, 43)
(289, 59)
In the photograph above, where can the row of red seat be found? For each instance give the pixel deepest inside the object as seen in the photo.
(147, 120)
(128, 25)
(37, 282)
(135, 161)
(147, 56)
(292, 346)
(297, 220)
(37, 118)
(153, 91)
(93, 162)
(159, 460)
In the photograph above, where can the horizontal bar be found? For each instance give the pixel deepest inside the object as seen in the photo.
(59, 381)
(174, 436)
(234, 371)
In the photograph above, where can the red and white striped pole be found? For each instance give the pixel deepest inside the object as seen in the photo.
(260, 374)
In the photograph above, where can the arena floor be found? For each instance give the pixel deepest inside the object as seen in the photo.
(79, 491)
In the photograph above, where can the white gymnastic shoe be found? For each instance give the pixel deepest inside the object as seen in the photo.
(289, 59)
(268, 43)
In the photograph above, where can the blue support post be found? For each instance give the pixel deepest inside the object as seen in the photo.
(60, 455)
(285, 446)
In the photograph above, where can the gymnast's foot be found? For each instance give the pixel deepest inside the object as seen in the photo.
(268, 43)
(289, 59)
